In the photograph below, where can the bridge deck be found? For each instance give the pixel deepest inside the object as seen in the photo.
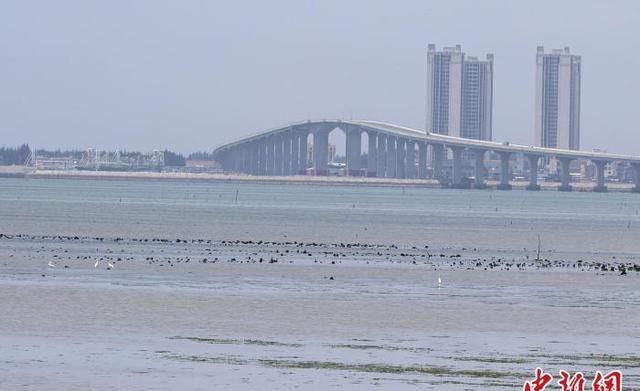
(433, 138)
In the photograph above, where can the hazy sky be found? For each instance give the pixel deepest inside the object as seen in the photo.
(189, 75)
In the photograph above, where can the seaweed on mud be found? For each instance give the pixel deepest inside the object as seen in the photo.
(213, 360)
(385, 368)
(495, 360)
(379, 347)
(368, 368)
(223, 341)
(447, 381)
(602, 360)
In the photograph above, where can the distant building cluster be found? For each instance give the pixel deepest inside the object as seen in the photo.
(96, 160)
(460, 97)
(93, 159)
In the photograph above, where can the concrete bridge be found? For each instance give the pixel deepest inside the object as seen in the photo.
(397, 152)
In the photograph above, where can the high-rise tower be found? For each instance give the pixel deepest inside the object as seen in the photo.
(459, 93)
(557, 123)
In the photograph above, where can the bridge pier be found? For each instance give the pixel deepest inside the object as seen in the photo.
(220, 159)
(223, 160)
(533, 172)
(243, 159)
(271, 156)
(230, 160)
(238, 159)
(234, 159)
(303, 152)
(353, 151)
(286, 154)
(505, 172)
(392, 158)
(320, 152)
(381, 170)
(600, 166)
(456, 169)
(437, 152)
(243, 151)
(372, 154)
(422, 160)
(278, 155)
(255, 158)
(565, 174)
(295, 157)
(246, 159)
(636, 177)
(411, 159)
(401, 168)
(262, 156)
(479, 169)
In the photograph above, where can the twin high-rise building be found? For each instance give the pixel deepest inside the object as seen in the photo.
(459, 93)
(460, 96)
(557, 99)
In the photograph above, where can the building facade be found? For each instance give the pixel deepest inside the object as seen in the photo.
(557, 122)
(459, 93)
(477, 98)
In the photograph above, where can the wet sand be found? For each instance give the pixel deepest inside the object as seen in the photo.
(200, 314)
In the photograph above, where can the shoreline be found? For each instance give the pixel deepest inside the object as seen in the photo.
(23, 172)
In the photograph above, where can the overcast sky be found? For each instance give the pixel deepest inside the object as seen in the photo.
(189, 75)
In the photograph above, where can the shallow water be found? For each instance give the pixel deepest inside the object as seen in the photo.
(574, 222)
(352, 317)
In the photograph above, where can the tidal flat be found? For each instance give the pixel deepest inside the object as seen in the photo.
(197, 313)
(162, 286)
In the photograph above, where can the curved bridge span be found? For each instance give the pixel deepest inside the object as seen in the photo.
(395, 151)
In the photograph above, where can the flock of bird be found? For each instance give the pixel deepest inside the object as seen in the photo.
(68, 250)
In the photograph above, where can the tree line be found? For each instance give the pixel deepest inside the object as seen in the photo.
(17, 156)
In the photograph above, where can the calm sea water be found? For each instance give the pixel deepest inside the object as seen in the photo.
(575, 223)
(322, 317)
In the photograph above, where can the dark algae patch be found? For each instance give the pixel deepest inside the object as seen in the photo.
(223, 341)
(378, 347)
(384, 368)
(495, 360)
(368, 368)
